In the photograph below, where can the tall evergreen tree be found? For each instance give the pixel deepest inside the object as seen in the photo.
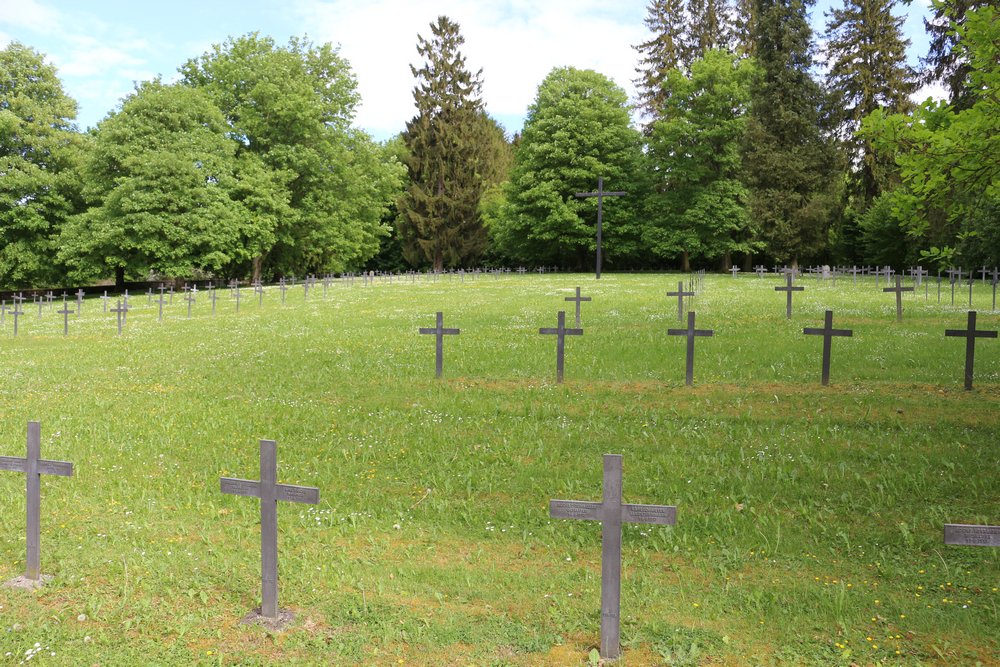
(709, 26)
(744, 16)
(791, 162)
(665, 51)
(868, 71)
(944, 62)
(453, 151)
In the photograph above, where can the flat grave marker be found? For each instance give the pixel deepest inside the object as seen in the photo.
(970, 333)
(827, 332)
(440, 332)
(612, 513)
(560, 331)
(788, 289)
(578, 299)
(269, 492)
(601, 193)
(968, 535)
(34, 466)
(691, 333)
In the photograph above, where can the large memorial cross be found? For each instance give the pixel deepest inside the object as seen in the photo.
(970, 334)
(600, 194)
(788, 289)
(578, 299)
(691, 333)
(561, 332)
(34, 466)
(269, 492)
(827, 332)
(898, 289)
(440, 332)
(680, 294)
(612, 513)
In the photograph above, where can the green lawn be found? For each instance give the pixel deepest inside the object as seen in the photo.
(809, 523)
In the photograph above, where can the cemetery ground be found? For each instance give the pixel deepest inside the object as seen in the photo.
(809, 518)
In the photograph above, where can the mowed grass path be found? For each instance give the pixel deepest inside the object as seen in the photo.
(809, 518)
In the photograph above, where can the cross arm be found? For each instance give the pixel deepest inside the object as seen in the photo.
(298, 494)
(575, 509)
(60, 468)
(240, 487)
(660, 515)
(13, 463)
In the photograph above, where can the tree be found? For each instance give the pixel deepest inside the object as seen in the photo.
(168, 193)
(945, 62)
(868, 71)
(699, 206)
(791, 161)
(576, 130)
(455, 153)
(290, 110)
(710, 26)
(40, 151)
(666, 51)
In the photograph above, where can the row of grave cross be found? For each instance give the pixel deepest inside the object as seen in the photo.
(610, 512)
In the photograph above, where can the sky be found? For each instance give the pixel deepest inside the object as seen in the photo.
(102, 47)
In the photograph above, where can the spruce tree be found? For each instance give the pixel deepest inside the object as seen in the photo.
(454, 152)
(665, 51)
(944, 62)
(744, 13)
(868, 71)
(709, 26)
(790, 159)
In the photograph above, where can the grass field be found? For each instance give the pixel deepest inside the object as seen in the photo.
(809, 523)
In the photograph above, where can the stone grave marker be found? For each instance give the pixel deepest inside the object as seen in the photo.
(560, 331)
(970, 333)
(827, 332)
(578, 299)
(440, 332)
(898, 289)
(601, 193)
(269, 492)
(966, 535)
(34, 466)
(612, 513)
(691, 333)
(788, 289)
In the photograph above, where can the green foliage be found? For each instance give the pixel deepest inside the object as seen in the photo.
(454, 153)
(664, 51)
(577, 129)
(699, 204)
(946, 61)
(40, 151)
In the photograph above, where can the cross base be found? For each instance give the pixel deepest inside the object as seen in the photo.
(26, 584)
(279, 623)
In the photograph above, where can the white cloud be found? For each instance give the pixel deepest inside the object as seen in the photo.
(5, 39)
(30, 15)
(516, 43)
(935, 90)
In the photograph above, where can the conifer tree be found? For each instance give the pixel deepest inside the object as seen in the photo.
(709, 26)
(454, 153)
(664, 51)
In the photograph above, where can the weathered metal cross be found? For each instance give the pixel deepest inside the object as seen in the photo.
(600, 194)
(827, 332)
(34, 467)
(680, 294)
(898, 289)
(121, 312)
(269, 492)
(970, 334)
(612, 513)
(65, 313)
(691, 333)
(561, 331)
(578, 299)
(788, 289)
(440, 332)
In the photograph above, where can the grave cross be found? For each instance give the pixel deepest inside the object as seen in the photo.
(284, 288)
(996, 278)
(680, 294)
(985, 272)
(578, 299)
(788, 289)
(65, 313)
(161, 302)
(34, 467)
(827, 332)
(953, 275)
(971, 536)
(16, 312)
(121, 312)
(898, 289)
(561, 331)
(104, 300)
(970, 333)
(440, 332)
(190, 298)
(734, 270)
(600, 194)
(761, 270)
(211, 291)
(690, 332)
(269, 492)
(79, 300)
(612, 513)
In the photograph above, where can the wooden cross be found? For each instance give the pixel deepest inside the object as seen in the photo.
(680, 294)
(690, 332)
(65, 313)
(440, 332)
(898, 289)
(34, 467)
(970, 334)
(612, 513)
(121, 312)
(600, 194)
(788, 289)
(269, 492)
(561, 331)
(578, 299)
(827, 332)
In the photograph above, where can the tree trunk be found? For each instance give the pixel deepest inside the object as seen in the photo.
(727, 261)
(685, 262)
(119, 278)
(257, 262)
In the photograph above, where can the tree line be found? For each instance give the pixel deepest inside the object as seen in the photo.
(749, 150)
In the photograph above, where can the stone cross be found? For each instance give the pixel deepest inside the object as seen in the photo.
(440, 332)
(578, 299)
(690, 332)
(971, 536)
(788, 289)
(898, 289)
(612, 513)
(827, 332)
(121, 312)
(79, 300)
(761, 270)
(680, 294)
(600, 194)
(65, 313)
(734, 270)
(984, 272)
(269, 492)
(919, 274)
(561, 332)
(34, 467)
(970, 334)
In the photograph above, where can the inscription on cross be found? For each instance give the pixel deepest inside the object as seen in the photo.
(691, 333)
(600, 194)
(561, 332)
(970, 333)
(578, 299)
(269, 492)
(34, 466)
(827, 332)
(440, 332)
(898, 289)
(612, 513)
